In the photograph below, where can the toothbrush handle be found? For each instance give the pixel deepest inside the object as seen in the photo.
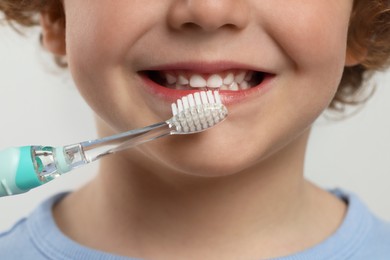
(27, 167)
(17, 171)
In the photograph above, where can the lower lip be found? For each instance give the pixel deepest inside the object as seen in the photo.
(228, 97)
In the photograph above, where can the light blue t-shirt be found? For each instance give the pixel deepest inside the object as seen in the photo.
(361, 236)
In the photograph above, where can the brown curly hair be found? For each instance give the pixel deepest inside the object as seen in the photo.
(368, 38)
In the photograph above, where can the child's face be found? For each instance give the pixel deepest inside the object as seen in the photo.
(301, 44)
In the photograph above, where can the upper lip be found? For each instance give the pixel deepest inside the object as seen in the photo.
(205, 67)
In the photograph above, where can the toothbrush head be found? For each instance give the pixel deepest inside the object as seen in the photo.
(197, 112)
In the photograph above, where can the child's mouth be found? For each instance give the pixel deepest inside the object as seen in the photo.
(228, 80)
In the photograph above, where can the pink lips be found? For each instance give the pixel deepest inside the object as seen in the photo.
(228, 97)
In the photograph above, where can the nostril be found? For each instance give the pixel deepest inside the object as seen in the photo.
(191, 26)
(195, 27)
(208, 15)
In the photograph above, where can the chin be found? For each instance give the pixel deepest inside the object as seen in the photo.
(211, 167)
(209, 160)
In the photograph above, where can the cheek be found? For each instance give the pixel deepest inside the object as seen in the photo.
(315, 43)
(86, 49)
(100, 32)
(99, 37)
(315, 37)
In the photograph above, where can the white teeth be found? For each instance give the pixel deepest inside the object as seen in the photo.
(239, 78)
(197, 81)
(234, 86)
(180, 87)
(233, 80)
(244, 85)
(171, 79)
(248, 76)
(224, 87)
(214, 81)
(228, 79)
(182, 80)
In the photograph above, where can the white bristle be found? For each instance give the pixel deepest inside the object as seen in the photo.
(186, 105)
(174, 109)
(203, 96)
(198, 111)
(210, 97)
(198, 101)
(180, 105)
(217, 97)
(191, 100)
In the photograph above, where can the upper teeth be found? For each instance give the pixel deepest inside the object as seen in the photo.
(230, 80)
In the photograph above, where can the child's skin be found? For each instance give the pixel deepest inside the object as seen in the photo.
(159, 200)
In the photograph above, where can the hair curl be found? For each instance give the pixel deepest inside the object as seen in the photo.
(368, 39)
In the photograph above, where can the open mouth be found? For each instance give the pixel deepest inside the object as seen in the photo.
(231, 80)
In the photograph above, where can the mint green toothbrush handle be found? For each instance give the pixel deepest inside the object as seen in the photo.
(17, 171)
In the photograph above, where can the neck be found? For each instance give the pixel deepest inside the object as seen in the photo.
(144, 208)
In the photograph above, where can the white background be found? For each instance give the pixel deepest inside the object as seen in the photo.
(39, 105)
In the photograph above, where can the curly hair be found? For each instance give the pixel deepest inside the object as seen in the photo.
(22, 12)
(368, 37)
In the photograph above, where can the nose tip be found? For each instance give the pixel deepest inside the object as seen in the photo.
(208, 15)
